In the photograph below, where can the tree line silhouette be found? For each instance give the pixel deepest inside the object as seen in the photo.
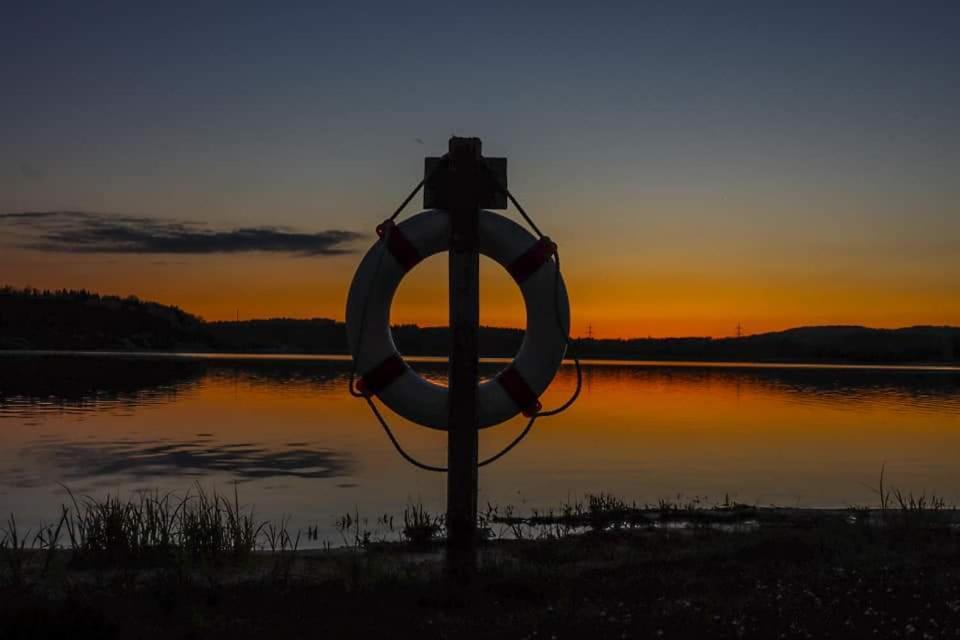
(66, 319)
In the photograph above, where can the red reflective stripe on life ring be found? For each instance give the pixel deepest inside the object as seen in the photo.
(380, 377)
(519, 391)
(399, 245)
(534, 258)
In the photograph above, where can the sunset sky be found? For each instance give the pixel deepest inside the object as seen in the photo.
(700, 165)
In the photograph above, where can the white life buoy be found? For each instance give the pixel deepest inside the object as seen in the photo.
(384, 373)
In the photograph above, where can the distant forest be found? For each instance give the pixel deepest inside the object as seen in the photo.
(81, 320)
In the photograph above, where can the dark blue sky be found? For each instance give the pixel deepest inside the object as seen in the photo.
(832, 126)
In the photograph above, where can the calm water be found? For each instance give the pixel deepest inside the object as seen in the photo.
(298, 445)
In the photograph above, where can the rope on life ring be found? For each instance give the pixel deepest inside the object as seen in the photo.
(515, 389)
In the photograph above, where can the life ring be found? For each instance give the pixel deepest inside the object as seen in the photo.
(401, 247)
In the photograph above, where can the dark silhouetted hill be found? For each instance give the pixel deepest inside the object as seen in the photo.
(278, 335)
(850, 344)
(68, 319)
(79, 320)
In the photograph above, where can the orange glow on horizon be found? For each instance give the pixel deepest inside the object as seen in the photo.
(608, 297)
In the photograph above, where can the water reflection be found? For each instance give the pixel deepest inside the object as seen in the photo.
(89, 383)
(30, 384)
(287, 429)
(200, 457)
(933, 389)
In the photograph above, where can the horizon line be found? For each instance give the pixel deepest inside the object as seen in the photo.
(30, 289)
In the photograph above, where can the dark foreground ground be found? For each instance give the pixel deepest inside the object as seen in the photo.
(830, 576)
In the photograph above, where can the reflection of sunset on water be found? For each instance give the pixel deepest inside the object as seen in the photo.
(783, 435)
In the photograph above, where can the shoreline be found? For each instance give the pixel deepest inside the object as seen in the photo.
(625, 361)
(823, 577)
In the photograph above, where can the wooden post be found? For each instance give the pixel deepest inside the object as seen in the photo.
(461, 184)
(463, 193)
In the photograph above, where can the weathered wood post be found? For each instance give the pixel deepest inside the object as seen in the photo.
(462, 187)
(464, 269)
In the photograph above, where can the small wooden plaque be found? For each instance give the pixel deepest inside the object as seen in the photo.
(434, 193)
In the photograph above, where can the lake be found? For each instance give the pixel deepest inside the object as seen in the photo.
(287, 434)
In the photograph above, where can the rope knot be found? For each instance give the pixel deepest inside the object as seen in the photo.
(384, 227)
(532, 410)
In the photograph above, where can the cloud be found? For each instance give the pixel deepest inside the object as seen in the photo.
(36, 215)
(158, 458)
(87, 232)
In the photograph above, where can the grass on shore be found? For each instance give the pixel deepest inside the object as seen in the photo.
(203, 565)
(206, 528)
